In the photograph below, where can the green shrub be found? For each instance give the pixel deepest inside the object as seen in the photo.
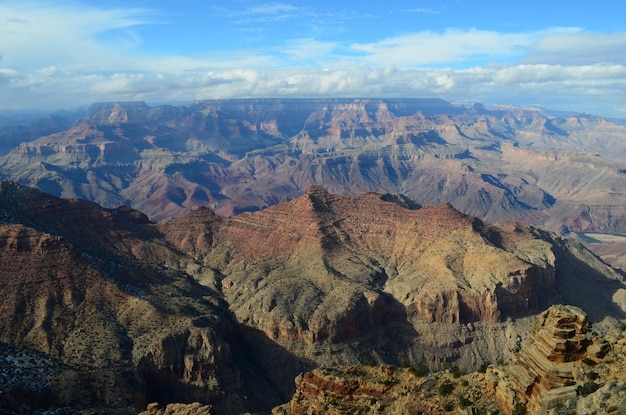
(419, 371)
(587, 388)
(519, 409)
(464, 402)
(456, 372)
(446, 388)
(589, 362)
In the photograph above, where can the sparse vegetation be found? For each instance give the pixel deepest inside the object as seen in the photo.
(592, 375)
(589, 362)
(446, 388)
(519, 409)
(456, 372)
(464, 402)
(419, 371)
(588, 388)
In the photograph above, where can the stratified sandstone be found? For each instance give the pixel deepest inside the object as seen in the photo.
(178, 409)
(362, 390)
(565, 368)
(544, 373)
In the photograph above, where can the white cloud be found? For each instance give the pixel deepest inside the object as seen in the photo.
(451, 46)
(579, 48)
(35, 35)
(272, 8)
(308, 50)
(424, 10)
(56, 56)
(559, 87)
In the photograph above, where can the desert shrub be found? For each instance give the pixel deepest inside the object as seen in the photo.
(587, 388)
(592, 375)
(419, 371)
(519, 409)
(446, 388)
(456, 372)
(483, 368)
(589, 362)
(464, 402)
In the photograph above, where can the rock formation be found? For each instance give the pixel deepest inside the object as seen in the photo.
(564, 368)
(543, 375)
(385, 390)
(227, 311)
(178, 409)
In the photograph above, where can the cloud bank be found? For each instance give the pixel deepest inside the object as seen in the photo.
(59, 57)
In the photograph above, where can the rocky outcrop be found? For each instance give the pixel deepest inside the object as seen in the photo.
(564, 368)
(544, 372)
(385, 390)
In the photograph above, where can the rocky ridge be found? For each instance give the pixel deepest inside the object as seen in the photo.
(226, 311)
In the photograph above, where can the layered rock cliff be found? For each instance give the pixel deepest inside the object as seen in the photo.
(565, 368)
(227, 311)
(353, 271)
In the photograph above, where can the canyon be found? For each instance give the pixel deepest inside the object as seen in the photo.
(560, 172)
(312, 256)
(106, 310)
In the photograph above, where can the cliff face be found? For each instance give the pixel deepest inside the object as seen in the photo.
(89, 288)
(226, 311)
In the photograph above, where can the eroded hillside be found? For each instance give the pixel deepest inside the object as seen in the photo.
(227, 311)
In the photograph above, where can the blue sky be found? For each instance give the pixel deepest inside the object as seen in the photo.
(560, 55)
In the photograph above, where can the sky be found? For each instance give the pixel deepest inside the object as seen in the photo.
(560, 55)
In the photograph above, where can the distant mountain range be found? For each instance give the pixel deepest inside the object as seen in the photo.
(563, 173)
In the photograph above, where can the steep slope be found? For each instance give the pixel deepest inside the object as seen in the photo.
(92, 288)
(564, 368)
